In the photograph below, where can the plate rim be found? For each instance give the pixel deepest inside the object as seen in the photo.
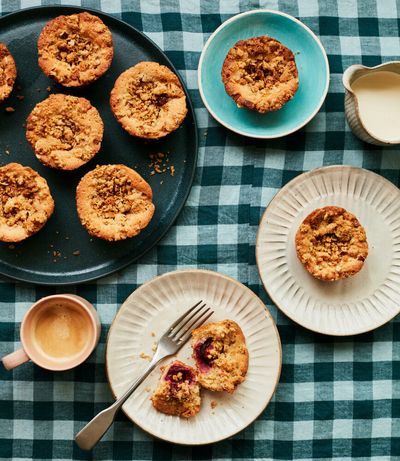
(98, 273)
(235, 18)
(215, 274)
(258, 246)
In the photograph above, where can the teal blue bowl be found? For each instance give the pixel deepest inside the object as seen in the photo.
(311, 61)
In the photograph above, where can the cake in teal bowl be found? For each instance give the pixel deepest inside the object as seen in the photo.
(312, 66)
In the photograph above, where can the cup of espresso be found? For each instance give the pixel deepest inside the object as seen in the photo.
(58, 332)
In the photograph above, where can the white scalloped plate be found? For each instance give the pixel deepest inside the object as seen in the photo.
(346, 307)
(151, 309)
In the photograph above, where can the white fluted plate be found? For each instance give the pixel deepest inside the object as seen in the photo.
(355, 305)
(147, 313)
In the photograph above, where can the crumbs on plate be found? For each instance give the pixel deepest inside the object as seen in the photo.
(160, 164)
(145, 356)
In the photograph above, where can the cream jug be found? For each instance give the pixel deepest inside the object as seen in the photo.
(372, 102)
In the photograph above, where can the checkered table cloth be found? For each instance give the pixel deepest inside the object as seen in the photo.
(337, 398)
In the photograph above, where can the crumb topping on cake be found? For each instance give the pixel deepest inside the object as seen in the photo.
(148, 100)
(8, 72)
(114, 202)
(64, 131)
(25, 202)
(114, 193)
(331, 243)
(260, 74)
(75, 49)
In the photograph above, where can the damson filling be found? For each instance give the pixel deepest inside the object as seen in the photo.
(144, 103)
(206, 352)
(161, 99)
(177, 374)
(257, 72)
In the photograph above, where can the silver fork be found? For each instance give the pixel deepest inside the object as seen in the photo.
(170, 343)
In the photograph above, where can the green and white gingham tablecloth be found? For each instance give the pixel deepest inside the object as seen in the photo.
(337, 398)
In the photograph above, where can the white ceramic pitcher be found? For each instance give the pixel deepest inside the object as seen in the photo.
(351, 106)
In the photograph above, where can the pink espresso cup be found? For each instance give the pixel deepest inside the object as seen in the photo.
(88, 322)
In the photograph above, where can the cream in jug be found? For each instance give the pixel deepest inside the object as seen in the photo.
(378, 97)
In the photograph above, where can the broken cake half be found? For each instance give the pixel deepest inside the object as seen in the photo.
(221, 356)
(178, 392)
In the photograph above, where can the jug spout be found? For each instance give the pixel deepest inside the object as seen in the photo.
(355, 71)
(351, 74)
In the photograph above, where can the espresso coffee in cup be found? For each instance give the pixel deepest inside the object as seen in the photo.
(61, 330)
(58, 333)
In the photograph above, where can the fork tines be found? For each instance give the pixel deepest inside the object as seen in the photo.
(182, 328)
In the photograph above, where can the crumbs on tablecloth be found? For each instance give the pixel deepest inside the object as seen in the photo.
(213, 404)
(154, 347)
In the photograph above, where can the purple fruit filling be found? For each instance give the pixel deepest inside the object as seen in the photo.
(202, 351)
(178, 374)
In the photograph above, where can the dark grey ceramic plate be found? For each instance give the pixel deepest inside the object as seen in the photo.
(33, 260)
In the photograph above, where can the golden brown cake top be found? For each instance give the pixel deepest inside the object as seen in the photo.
(75, 50)
(260, 74)
(64, 131)
(8, 72)
(25, 202)
(148, 100)
(331, 243)
(114, 202)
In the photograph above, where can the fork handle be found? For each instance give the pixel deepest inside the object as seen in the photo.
(94, 430)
